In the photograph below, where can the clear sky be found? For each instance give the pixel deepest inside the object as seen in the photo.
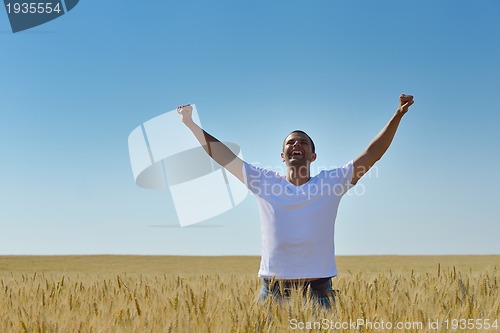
(73, 89)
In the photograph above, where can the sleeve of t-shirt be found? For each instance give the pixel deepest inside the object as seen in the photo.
(342, 178)
(255, 177)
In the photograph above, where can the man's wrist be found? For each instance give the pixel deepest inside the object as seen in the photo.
(189, 123)
(399, 112)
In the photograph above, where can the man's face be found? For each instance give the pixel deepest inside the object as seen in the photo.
(297, 149)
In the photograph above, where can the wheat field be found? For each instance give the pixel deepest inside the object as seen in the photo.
(218, 294)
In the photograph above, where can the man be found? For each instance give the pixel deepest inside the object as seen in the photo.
(298, 211)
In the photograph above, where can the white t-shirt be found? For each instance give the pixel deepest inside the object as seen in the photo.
(297, 222)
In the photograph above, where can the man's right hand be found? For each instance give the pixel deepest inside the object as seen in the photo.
(405, 101)
(186, 113)
(216, 149)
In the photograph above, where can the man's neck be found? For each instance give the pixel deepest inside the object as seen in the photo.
(298, 175)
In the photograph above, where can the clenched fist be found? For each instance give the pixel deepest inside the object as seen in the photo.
(405, 101)
(186, 113)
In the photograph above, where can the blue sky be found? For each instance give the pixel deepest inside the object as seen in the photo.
(73, 89)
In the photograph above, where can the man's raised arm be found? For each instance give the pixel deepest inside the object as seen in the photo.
(216, 149)
(379, 145)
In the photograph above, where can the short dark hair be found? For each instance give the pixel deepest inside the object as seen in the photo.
(313, 148)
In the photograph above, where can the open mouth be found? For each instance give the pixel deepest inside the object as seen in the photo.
(296, 153)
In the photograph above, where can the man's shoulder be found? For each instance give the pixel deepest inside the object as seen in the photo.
(254, 170)
(335, 172)
(258, 168)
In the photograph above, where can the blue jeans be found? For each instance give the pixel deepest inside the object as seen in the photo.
(318, 291)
